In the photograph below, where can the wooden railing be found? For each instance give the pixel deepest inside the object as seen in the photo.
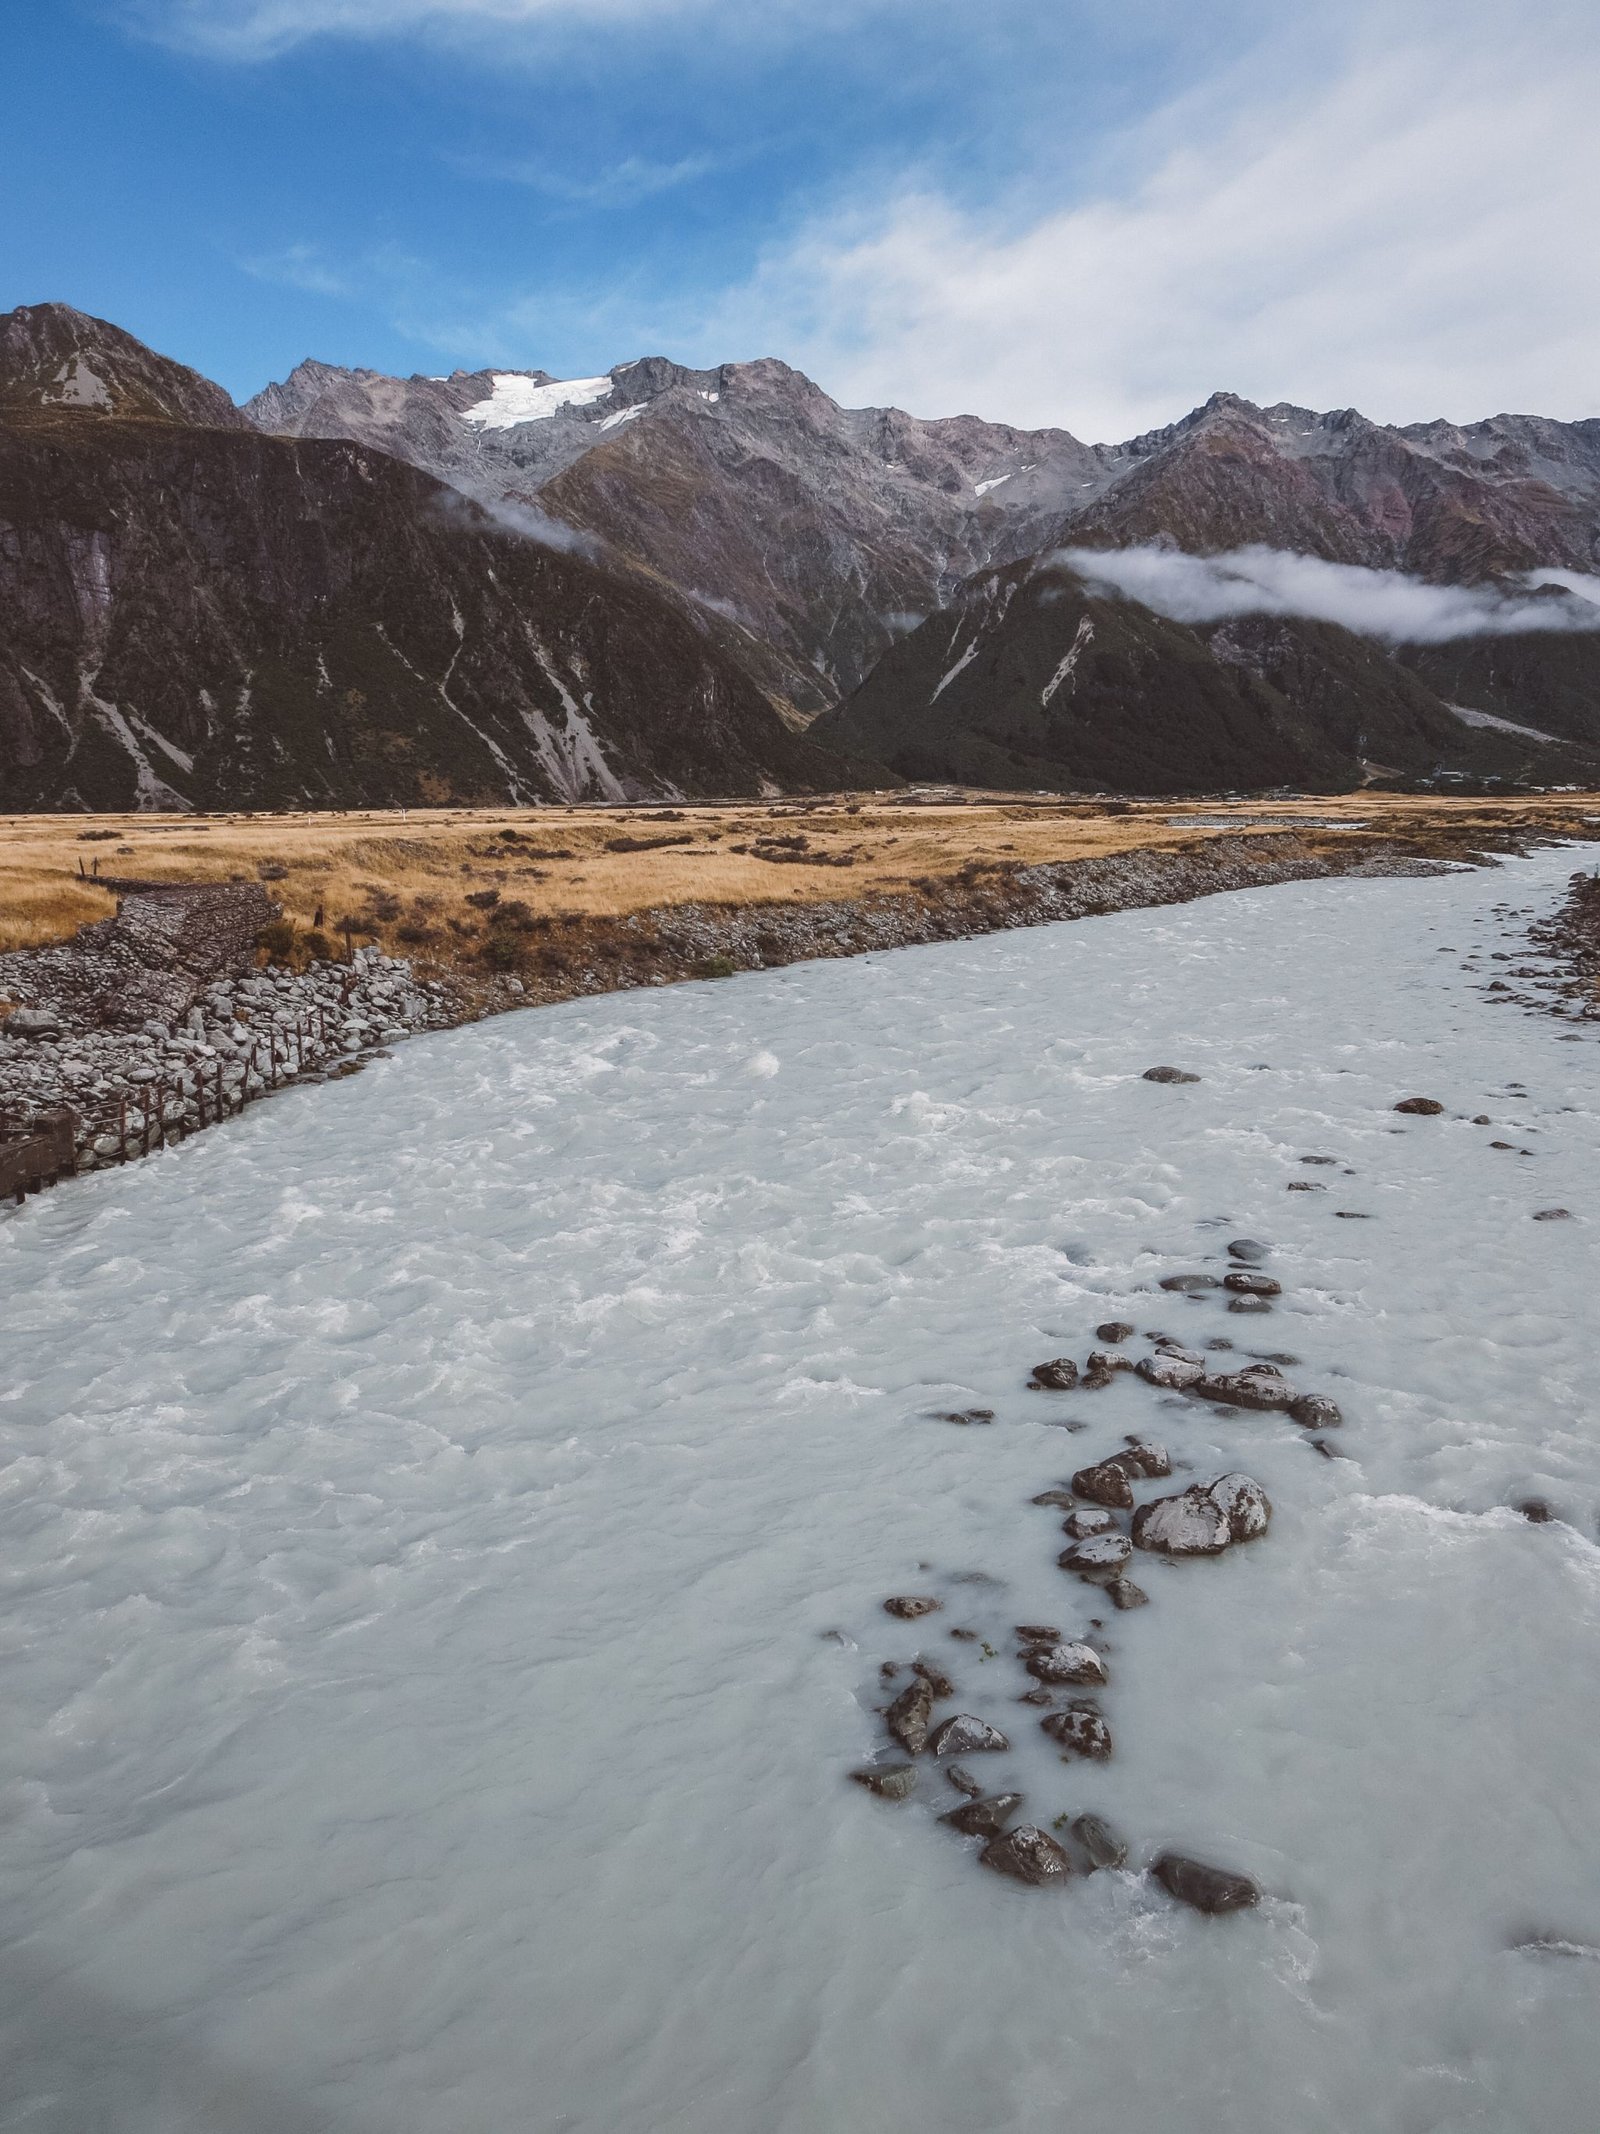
(37, 1154)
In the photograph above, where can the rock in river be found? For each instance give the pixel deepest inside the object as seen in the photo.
(966, 1736)
(1123, 1593)
(1205, 1519)
(1114, 1330)
(1066, 1663)
(1099, 1559)
(1110, 1480)
(984, 1818)
(891, 1782)
(909, 1716)
(1420, 1107)
(1189, 1284)
(1252, 1285)
(1168, 1074)
(1208, 1889)
(1258, 1385)
(1080, 1525)
(1028, 1853)
(1099, 1841)
(935, 1677)
(1249, 1251)
(1316, 1412)
(1081, 1730)
(1105, 1483)
(1059, 1375)
(1174, 1369)
(908, 1606)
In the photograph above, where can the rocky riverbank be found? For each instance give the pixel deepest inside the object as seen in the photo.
(159, 1021)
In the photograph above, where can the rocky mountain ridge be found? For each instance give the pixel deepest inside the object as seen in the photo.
(195, 614)
(1037, 678)
(813, 533)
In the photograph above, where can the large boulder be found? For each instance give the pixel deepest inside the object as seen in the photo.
(1099, 1559)
(1204, 1519)
(1258, 1385)
(1066, 1663)
(909, 1716)
(1105, 1483)
(1099, 1841)
(1208, 1889)
(966, 1736)
(1245, 1284)
(984, 1818)
(891, 1782)
(1110, 1481)
(1175, 1369)
(1081, 1730)
(1059, 1375)
(32, 1022)
(1029, 1854)
(1314, 1411)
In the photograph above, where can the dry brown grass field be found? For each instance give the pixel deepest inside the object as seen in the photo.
(425, 883)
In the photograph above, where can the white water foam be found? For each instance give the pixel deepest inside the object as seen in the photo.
(428, 1500)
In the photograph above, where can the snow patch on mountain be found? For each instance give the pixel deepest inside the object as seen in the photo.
(1084, 636)
(949, 676)
(516, 399)
(1469, 717)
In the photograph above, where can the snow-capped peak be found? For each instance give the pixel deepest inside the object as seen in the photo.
(516, 399)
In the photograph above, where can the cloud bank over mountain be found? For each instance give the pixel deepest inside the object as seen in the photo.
(1388, 605)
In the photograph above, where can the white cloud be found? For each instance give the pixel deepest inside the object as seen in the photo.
(616, 185)
(298, 267)
(263, 29)
(1383, 604)
(1410, 230)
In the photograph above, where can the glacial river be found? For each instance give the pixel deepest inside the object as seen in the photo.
(447, 1515)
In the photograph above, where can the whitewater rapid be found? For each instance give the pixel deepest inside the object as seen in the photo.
(446, 1518)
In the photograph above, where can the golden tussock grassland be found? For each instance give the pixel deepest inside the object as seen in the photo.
(439, 884)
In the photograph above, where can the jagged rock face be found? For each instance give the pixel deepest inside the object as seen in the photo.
(1510, 494)
(211, 617)
(807, 533)
(55, 359)
(804, 533)
(1032, 680)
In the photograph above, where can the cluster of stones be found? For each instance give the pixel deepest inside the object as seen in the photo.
(240, 1035)
(1104, 1525)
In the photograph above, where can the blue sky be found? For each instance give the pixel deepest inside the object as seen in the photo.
(1088, 213)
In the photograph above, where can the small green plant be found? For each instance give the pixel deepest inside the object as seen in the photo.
(716, 967)
(503, 952)
(277, 939)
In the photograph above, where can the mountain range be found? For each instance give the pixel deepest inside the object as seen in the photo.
(668, 581)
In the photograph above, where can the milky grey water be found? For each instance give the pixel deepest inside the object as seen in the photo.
(433, 1505)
